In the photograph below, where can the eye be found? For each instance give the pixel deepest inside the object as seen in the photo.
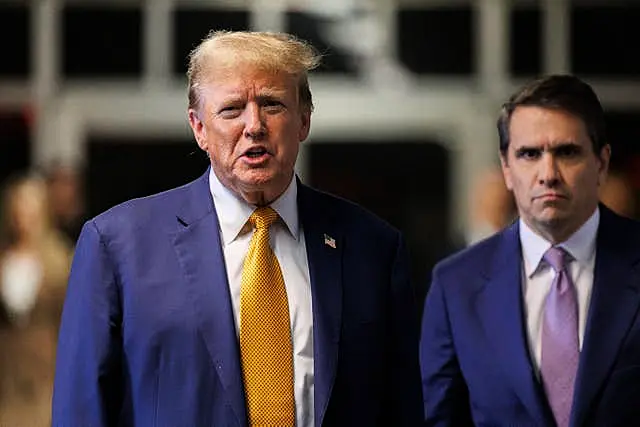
(528, 153)
(229, 111)
(272, 105)
(568, 151)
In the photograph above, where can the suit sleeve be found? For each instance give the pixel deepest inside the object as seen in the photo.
(87, 386)
(405, 395)
(446, 398)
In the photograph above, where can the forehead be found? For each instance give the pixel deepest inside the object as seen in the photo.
(27, 193)
(249, 78)
(539, 126)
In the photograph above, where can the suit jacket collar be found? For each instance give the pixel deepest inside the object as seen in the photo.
(199, 250)
(324, 239)
(614, 305)
(500, 308)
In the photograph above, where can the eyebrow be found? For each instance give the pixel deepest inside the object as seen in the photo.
(265, 94)
(271, 93)
(554, 147)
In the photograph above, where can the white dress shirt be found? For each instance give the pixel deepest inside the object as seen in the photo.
(288, 244)
(538, 276)
(20, 279)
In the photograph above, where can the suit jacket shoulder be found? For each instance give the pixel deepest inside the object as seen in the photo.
(619, 233)
(477, 259)
(157, 211)
(615, 233)
(352, 217)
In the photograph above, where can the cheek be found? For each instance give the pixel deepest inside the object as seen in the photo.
(285, 137)
(222, 142)
(581, 179)
(290, 151)
(520, 189)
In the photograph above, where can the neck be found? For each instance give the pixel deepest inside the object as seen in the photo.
(264, 194)
(558, 231)
(261, 198)
(25, 245)
(555, 235)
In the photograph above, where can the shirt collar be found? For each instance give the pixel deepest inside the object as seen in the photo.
(581, 244)
(233, 212)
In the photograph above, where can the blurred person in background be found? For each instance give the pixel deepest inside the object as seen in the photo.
(492, 206)
(244, 297)
(65, 192)
(539, 325)
(34, 267)
(618, 194)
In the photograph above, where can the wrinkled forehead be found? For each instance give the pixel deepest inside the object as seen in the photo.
(546, 127)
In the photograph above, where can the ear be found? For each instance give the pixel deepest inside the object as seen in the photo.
(198, 128)
(305, 125)
(603, 160)
(506, 170)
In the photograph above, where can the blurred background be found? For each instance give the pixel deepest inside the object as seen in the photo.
(93, 112)
(93, 98)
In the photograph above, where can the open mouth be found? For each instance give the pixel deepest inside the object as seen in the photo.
(256, 152)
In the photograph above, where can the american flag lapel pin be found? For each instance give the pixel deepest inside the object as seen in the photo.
(329, 241)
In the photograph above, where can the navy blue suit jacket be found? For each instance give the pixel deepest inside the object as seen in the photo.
(148, 336)
(475, 361)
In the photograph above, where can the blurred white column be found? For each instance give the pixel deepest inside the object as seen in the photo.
(157, 44)
(556, 36)
(479, 147)
(45, 59)
(492, 46)
(268, 15)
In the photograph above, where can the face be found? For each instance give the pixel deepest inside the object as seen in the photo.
(552, 170)
(251, 124)
(27, 210)
(64, 194)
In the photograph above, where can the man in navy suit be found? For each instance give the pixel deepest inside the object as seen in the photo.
(538, 325)
(156, 300)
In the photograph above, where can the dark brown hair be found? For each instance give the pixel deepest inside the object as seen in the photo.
(560, 92)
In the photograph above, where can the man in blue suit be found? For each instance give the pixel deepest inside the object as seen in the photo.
(176, 302)
(538, 325)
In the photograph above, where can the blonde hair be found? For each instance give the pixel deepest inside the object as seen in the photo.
(272, 52)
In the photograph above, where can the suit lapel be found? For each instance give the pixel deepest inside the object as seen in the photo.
(500, 308)
(614, 304)
(324, 256)
(200, 255)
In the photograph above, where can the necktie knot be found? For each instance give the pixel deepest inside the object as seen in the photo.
(557, 258)
(263, 217)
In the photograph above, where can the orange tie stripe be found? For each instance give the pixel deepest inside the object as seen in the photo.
(265, 335)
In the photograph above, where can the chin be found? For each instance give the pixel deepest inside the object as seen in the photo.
(552, 219)
(257, 183)
(255, 176)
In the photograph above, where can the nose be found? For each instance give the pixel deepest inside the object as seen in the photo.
(548, 174)
(254, 127)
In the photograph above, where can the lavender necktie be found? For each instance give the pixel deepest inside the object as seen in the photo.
(560, 349)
